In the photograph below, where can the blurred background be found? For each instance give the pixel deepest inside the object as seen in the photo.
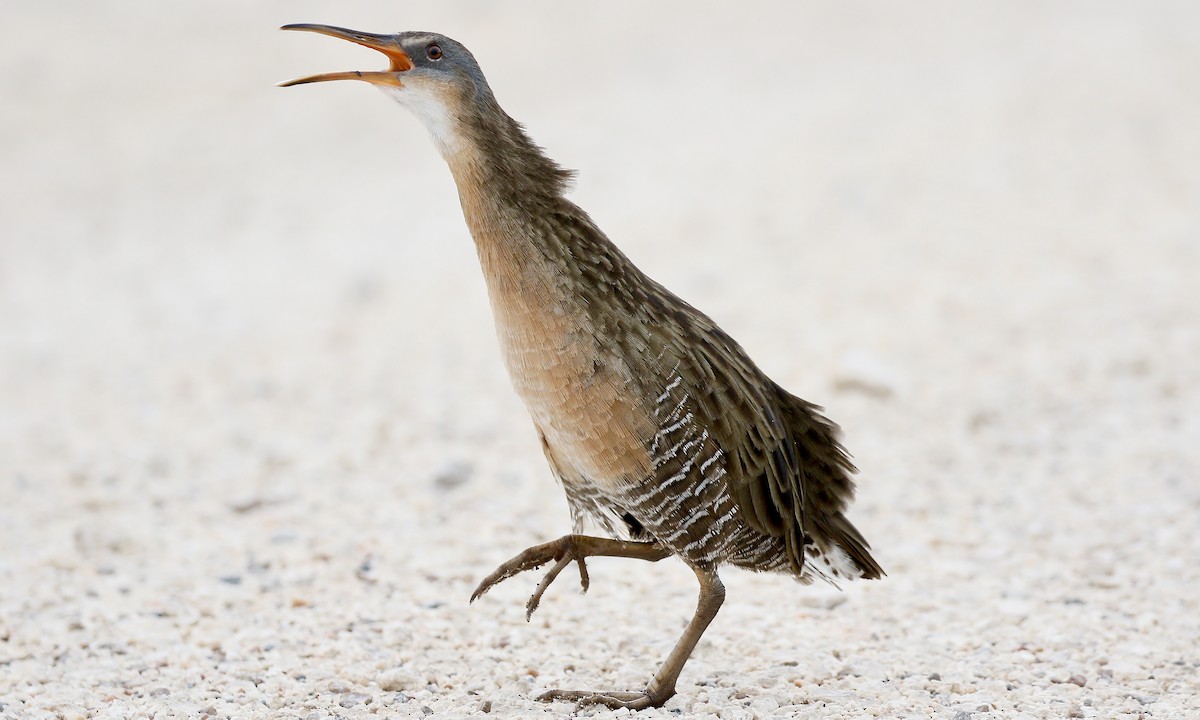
(250, 393)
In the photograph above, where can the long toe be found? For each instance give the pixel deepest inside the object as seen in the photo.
(613, 699)
(529, 559)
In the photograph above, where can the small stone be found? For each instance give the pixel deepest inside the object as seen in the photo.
(398, 679)
(485, 706)
(338, 686)
(1077, 679)
(364, 570)
(764, 706)
(231, 579)
(962, 715)
(866, 373)
(71, 711)
(1075, 712)
(352, 699)
(246, 505)
(452, 475)
(935, 676)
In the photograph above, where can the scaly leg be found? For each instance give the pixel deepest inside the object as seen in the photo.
(562, 552)
(662, 685)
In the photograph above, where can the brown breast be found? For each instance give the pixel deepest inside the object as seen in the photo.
(577, 393)
(577, 398)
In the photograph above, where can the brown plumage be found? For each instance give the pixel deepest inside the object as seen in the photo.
(655, 421)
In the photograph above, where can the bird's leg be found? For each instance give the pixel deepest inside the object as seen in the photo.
(662, 685)
(562, 552)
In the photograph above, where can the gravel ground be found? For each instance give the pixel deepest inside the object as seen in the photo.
(257, 445)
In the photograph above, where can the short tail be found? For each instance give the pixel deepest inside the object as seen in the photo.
(827, 491)
(842, 533)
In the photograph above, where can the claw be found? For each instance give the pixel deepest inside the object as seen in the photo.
(584, 580)
(530, 559)
(575, 548)
(536, 597)
(612, 699)
(562, 552)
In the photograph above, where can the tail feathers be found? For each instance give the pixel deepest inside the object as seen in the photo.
(837, 551)
(839, 531)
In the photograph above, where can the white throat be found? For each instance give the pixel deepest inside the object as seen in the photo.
(430, 106)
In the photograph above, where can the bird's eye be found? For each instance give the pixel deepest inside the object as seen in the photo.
(434, 52)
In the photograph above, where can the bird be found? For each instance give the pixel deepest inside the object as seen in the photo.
(659, 427)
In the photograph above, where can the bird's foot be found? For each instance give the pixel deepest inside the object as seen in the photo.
(561, 552)
(613, 699)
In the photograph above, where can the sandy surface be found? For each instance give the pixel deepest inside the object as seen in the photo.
(257, 446)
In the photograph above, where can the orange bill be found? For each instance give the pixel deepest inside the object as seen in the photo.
(386, 44)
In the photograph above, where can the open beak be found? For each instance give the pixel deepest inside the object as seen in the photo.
(386, 44)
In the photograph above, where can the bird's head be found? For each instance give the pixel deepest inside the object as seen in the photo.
(430, 74)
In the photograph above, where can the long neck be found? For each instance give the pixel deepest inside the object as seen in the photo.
(500, 158)
(512, 199)
(538, 250)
